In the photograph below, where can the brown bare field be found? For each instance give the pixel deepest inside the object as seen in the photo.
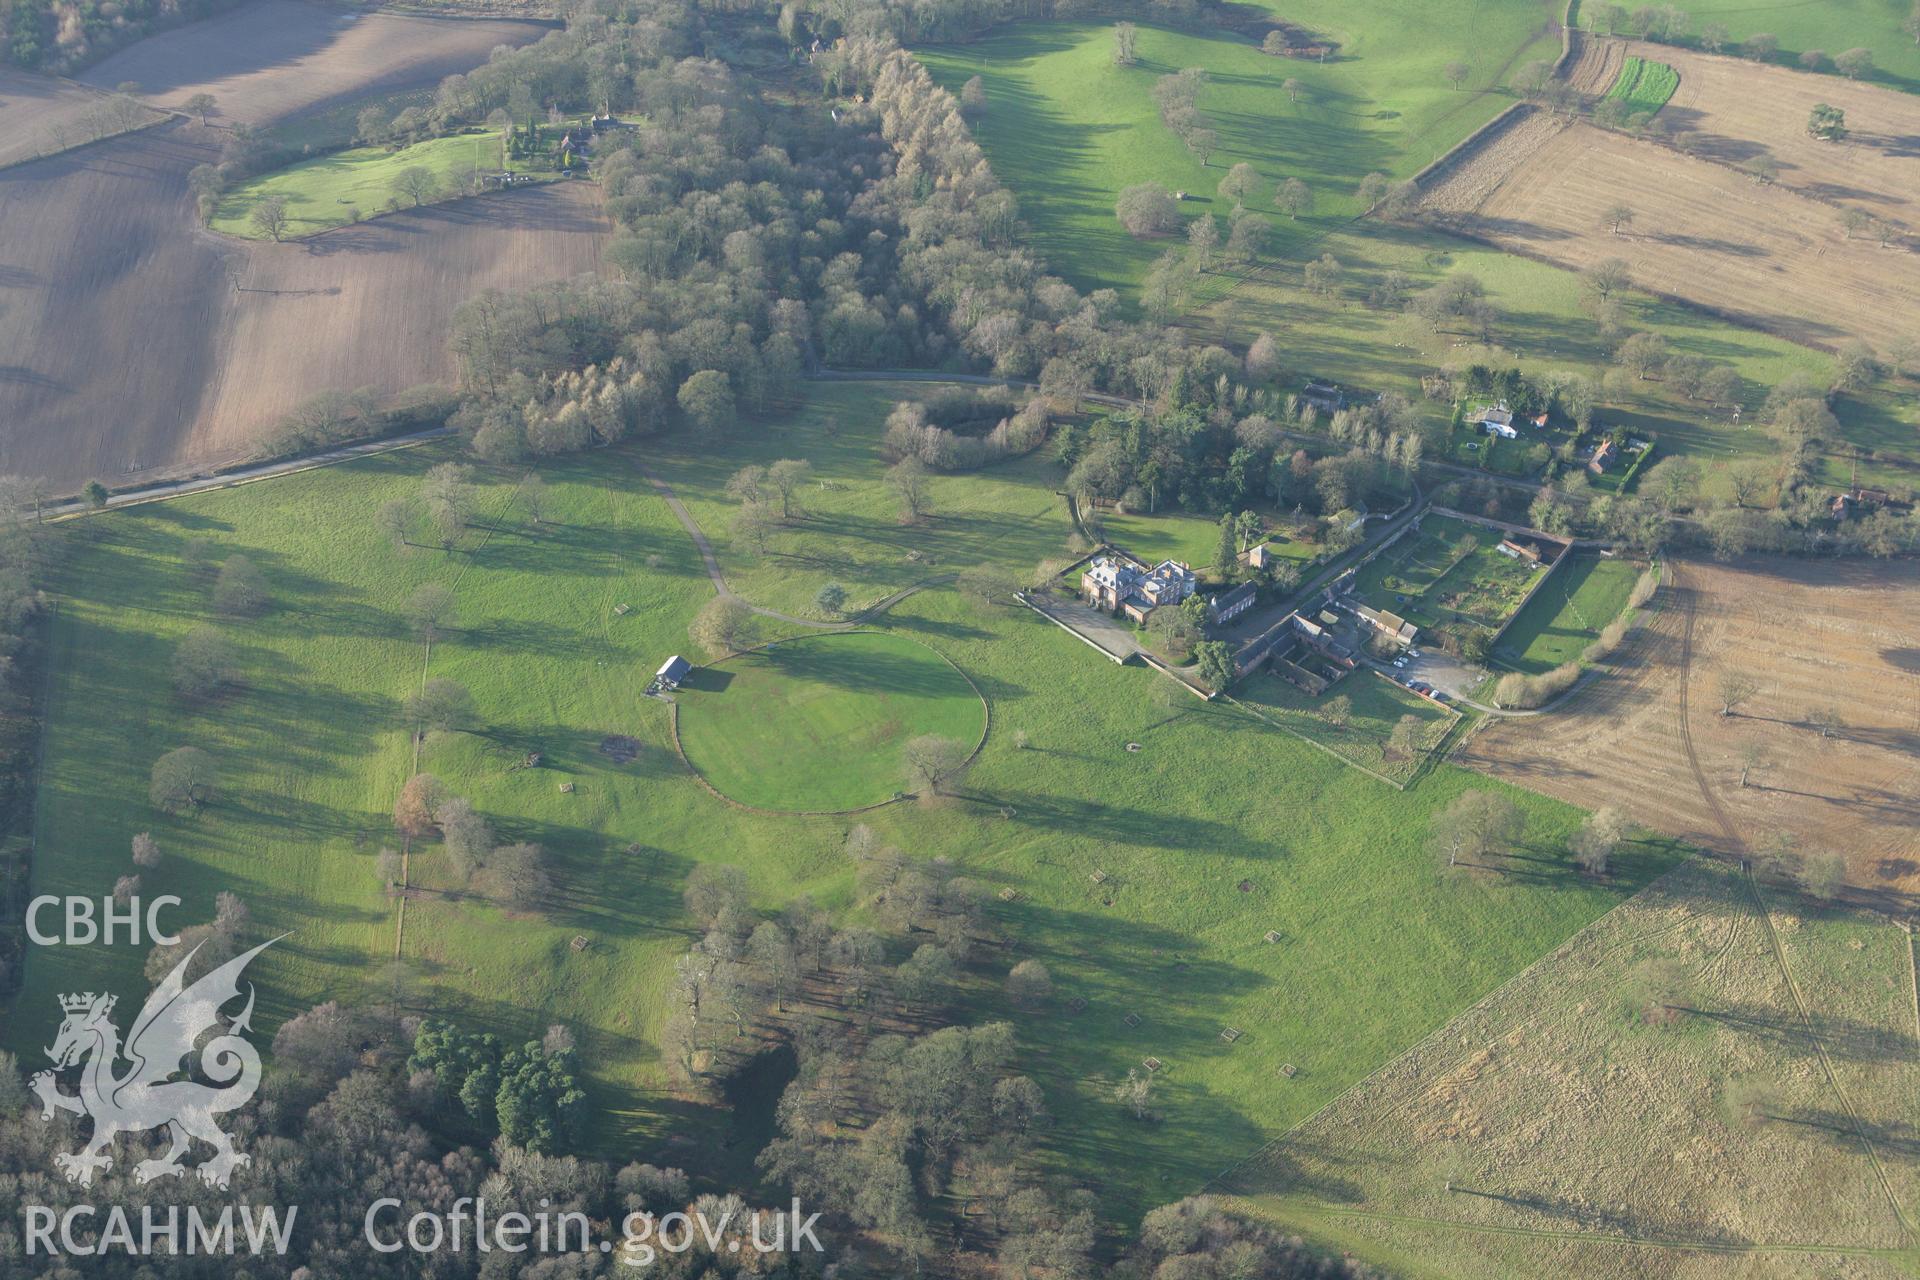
(1708, 1083)
(40, 115)
(1811, 635)
(130, 347)
(372, 305)
(134, 344)
(1764, 255)
(276, 58)
(1732, 111)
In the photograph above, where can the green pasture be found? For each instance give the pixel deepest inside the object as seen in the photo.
(1354, 720)
(1181, 535)
(321, 192)
(1832, 26)
(1067, 129)
(818, 723)
(1644, 85)
(852, 532)
(311, 749)
(1569, 612)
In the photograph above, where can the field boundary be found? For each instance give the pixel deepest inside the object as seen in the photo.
(1419, 770)
(166, 117)
(1437, 1033)
(673, 721)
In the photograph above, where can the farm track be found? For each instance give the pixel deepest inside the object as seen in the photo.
(1826, 1057)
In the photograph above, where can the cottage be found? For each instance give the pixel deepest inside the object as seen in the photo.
(1505, 430)
(1225, 608)
(1603, 458)
(672, 672)
(1117, 583)
(1325, 396)
(1495, 413)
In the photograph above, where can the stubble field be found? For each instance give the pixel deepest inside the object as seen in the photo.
(1811, 636)
(1711, 1082)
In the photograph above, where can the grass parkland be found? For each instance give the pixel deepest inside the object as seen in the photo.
(1150, 880)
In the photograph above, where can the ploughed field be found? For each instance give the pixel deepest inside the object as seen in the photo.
(138, 344)
(40, 115)
(279, 58)
(1811, 637)
(1705, 228)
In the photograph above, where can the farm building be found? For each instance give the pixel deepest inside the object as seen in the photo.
(1225, 608)
(1391, 625)
(1121, 583)
(672, 672)
(1300, 651)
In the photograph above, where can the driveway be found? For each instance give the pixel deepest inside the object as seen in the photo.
(1103, 631)
(1443, 671)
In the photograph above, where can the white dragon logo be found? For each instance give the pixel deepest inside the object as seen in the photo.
(146, 1097)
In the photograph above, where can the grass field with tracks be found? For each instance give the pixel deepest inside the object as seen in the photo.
(818, 723)
(1219, 830)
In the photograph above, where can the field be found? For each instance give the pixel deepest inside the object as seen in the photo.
(1644, 85)
(1654, 1099)
(136, 344)
(818, 723)
(1359, 732)
(1811, 636)
(1066, 129)
(1730, 111)
(1771, 254)
(1568, 613)
(1181, 535)
(1006, 515)
(270, 60)
(323, 193)
(1759, 254)
(40, 115)
(1218, 831)
(1831, 25)
(1545, 325)
(228, 340)
(1448, 576)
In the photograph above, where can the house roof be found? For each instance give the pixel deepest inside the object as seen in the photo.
(1245, 591)
(673, 668)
